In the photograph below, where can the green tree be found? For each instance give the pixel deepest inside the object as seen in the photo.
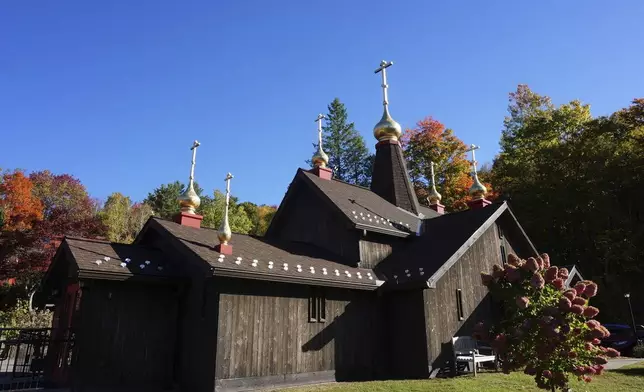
(348, 155)
(576, 185)
(163, 199)
(260, 216)
(122, 218)
(213, 213)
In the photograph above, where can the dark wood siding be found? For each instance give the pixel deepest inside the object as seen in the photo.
(264, 330)
(441, 311)
(125, 335)
(375, 247)
(406, 340)
(306, 219)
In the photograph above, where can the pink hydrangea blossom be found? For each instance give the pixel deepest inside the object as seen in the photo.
(591, 290)
(514, 260)
(563, 273)
(537, 281)
(564, 304)
(572, 354)
(591, 312)
(546, 374)
(588, 379)
(599, 369)
(559, 283)
(546, 260)
(579, 301)
(523, 302)
(593, 324)
(612, 353)
(512, 274)
(596, 341)
(551, 274)
(580, 288)
(531, 265)
(570, 294)
(589, 346)
(577, 309)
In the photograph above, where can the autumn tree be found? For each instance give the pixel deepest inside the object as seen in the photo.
(20, 207)
(348, 154)
(67, 210)
(260, 216)
(430, 142)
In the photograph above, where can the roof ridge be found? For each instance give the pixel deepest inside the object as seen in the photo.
(344, 182)
(203, 228)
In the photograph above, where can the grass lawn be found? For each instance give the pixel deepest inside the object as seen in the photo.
(630, 378)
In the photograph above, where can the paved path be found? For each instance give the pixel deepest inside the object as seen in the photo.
(621, 362)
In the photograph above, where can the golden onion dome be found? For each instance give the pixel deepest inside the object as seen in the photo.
(320, 159)
(434, 197)
(189, 200)
(477, 190)
(387, 128)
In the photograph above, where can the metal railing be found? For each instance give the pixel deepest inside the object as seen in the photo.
(24, 356)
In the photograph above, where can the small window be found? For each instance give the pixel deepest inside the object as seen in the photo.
(317, 305)
(459, 305)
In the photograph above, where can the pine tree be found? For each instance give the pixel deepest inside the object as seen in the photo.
(348, 154)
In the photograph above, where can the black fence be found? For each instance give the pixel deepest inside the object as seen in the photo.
(24, 356)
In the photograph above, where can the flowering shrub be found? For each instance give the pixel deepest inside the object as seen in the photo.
(21, 316)
(546, 329)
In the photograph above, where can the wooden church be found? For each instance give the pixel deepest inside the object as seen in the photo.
(348, 283)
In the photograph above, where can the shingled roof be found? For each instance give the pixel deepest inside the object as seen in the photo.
(442, 243)
(259, 258)
(108, 260)
(365, 209)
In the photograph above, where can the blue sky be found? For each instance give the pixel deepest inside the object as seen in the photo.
(114, 92)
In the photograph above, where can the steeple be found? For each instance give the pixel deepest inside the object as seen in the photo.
(477, 190)
(434, 198)
(189, 201)
(389, 178)
(224, 233)
(320, 159)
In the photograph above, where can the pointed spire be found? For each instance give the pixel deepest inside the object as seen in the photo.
(434, 197)
(389, 178)
(478, 190)
(189, 200)
(320, 159)
(387, 128)
(225, 234)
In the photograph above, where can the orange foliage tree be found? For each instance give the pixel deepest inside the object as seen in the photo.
(429, 142)
(21, 208)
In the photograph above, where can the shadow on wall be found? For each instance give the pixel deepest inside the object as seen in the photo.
(486, 311)
(356, 335)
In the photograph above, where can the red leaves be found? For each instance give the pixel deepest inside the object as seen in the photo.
(20, 207)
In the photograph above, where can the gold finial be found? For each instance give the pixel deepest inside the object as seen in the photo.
(478, 190)
(434, 197)
(387, 128)
(189, 200)
(224, 234)
(320, 159)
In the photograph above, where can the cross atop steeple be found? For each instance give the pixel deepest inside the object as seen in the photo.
(472, 149)
(225, 234)
(195, 144)
(383, 70)
(319, 121)
(478, 190)
(320, 159)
